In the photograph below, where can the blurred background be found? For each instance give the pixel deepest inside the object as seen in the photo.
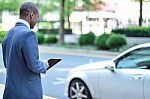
(67, 20)
(79, 32)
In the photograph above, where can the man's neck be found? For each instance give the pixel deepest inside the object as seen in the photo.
(24, 22)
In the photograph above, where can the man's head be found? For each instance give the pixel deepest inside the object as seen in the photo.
(29, 12)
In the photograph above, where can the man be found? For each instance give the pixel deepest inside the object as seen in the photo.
(21, 57)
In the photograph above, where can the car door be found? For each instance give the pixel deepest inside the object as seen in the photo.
(147, 86)
(127, 79)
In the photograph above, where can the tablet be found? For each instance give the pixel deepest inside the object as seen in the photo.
(52, 62)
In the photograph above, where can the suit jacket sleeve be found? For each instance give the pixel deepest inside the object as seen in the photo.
(31, 53)
(4, 55)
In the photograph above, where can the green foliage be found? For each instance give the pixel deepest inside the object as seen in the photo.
(45, 25)
(69, 6)
(88, 5)
(48, 6)
(40, 37)
(115, 41)
(134, 31)
(51, 39)
(10, 5)
(110, 41)
(2, 34)
(100, 41)
(87, 39)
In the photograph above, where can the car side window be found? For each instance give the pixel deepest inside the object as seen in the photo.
(139, 58)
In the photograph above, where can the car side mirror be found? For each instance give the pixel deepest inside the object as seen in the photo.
(111, 66)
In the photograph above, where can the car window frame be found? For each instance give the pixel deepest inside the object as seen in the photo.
(128, 54)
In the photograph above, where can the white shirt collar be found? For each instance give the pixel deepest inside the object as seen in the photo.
(24, 22)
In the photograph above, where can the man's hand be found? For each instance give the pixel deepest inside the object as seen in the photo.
(46, 63)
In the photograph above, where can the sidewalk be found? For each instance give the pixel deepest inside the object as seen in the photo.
(75, 52)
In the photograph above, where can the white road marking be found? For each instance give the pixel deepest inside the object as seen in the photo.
(59, 81)
(63, 69)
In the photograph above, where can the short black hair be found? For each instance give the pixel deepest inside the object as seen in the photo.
(27, 8)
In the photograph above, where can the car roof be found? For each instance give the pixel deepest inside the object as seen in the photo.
(132, 48)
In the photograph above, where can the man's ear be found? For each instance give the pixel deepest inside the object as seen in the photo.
(31, 15)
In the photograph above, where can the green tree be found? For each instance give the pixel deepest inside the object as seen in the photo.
(88, 5)
(69, 4)
(11, 5)
(141, 10)
(61, 39)
(51, 6)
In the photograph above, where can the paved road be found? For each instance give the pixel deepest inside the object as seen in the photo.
(53, 81)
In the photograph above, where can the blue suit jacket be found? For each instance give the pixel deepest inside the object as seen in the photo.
(21, 59)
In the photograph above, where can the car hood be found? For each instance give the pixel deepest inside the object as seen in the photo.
(91, 66)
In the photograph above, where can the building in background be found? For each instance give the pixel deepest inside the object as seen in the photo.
(106, 16)
(109, 15)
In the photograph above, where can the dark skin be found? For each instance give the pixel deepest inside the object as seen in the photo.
(32, 19)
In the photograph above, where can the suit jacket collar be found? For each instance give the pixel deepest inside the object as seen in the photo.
(23, 22)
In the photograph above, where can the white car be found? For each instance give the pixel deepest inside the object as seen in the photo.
(127, 76)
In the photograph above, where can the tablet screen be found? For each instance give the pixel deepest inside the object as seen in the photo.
(52, 62)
